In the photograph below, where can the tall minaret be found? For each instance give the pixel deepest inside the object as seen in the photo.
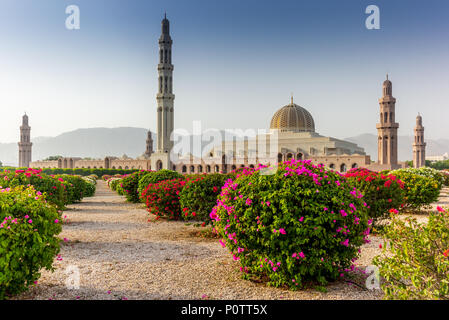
(25, 143)
(149, 148)
(165, 101)
(387, 129)
(419, 146)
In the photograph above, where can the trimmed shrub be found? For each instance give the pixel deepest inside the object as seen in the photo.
(422, 186)
(302, 224)
(381, 192)
(445, 174)
(199, 196)
(28, 242)
(155, 177)
(162, 198)
(53, 188)
(130, 185)
(414, 263)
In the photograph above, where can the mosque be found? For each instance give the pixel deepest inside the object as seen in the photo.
(291, 135)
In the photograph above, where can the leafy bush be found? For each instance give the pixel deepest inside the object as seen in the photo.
(415, 263)
(422, 186)
(28, 242)
(301, 224)
(130, 185)
(55, 189)
(199, 196)
(381, 192)
(78, 187)
(162, 198)
(155, 177)
(445, 174)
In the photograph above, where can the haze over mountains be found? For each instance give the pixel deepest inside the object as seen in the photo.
(101, 142)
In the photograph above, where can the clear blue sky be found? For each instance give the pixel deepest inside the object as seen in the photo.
(236, 62)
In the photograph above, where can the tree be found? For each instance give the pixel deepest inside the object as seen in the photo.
(53, 158)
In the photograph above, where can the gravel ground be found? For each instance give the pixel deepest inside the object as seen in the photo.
(122, 255)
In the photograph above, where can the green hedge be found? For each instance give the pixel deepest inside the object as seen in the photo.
(79, 171)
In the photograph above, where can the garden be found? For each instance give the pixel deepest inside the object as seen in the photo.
(305, 228)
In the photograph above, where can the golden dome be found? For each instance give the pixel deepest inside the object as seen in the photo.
(293, 118)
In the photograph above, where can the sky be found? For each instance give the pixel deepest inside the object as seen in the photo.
(235, 63)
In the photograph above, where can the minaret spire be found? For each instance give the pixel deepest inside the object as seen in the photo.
(165, 100)
(387, 129)
(25, 143)
(419, 146)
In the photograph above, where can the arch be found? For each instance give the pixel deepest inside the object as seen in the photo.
(159, 165)
(192, 169)
(208, 168)
(184, 169)
(299, 156)
(174, 167)
(217, 168)
(113, 167)
(251, 166)
(126, 168)
(332, 166)
(343, 167)
(289, 156)
(200, 168)
(385, 116)
(233, 167)
(280, 156)
(242, 166)
(354, 165)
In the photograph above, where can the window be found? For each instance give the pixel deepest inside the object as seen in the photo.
(343, 167)
(184, 169)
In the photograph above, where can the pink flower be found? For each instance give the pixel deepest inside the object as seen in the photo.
(301, 219)
(30, 221)
(248, 202)
(440, 209)
(282, 231)
(56, 221)
(345, 243)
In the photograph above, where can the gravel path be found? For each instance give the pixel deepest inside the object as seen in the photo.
(120, 254)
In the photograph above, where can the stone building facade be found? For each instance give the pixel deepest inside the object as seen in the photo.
(25, 143)
(419, 146)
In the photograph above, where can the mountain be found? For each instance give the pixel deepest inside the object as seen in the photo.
(405, 151)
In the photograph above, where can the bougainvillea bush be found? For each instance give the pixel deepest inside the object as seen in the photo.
(130, 184)
(162, 198)
(155, 177)
(53, 188)
(414, 263)
(199, 196)
(77, 187)
(422, 186)
(28, 229)
(381, 192)
(300, 225)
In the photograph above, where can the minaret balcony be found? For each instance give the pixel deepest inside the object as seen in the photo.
(387, 125)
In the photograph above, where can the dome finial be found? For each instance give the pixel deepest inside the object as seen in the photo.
(387, 75)
(292, 98)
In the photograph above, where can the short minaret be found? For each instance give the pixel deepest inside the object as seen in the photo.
(387, 129)
(419, 146)
(165, 101)
(25, 143)
(149, 148)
